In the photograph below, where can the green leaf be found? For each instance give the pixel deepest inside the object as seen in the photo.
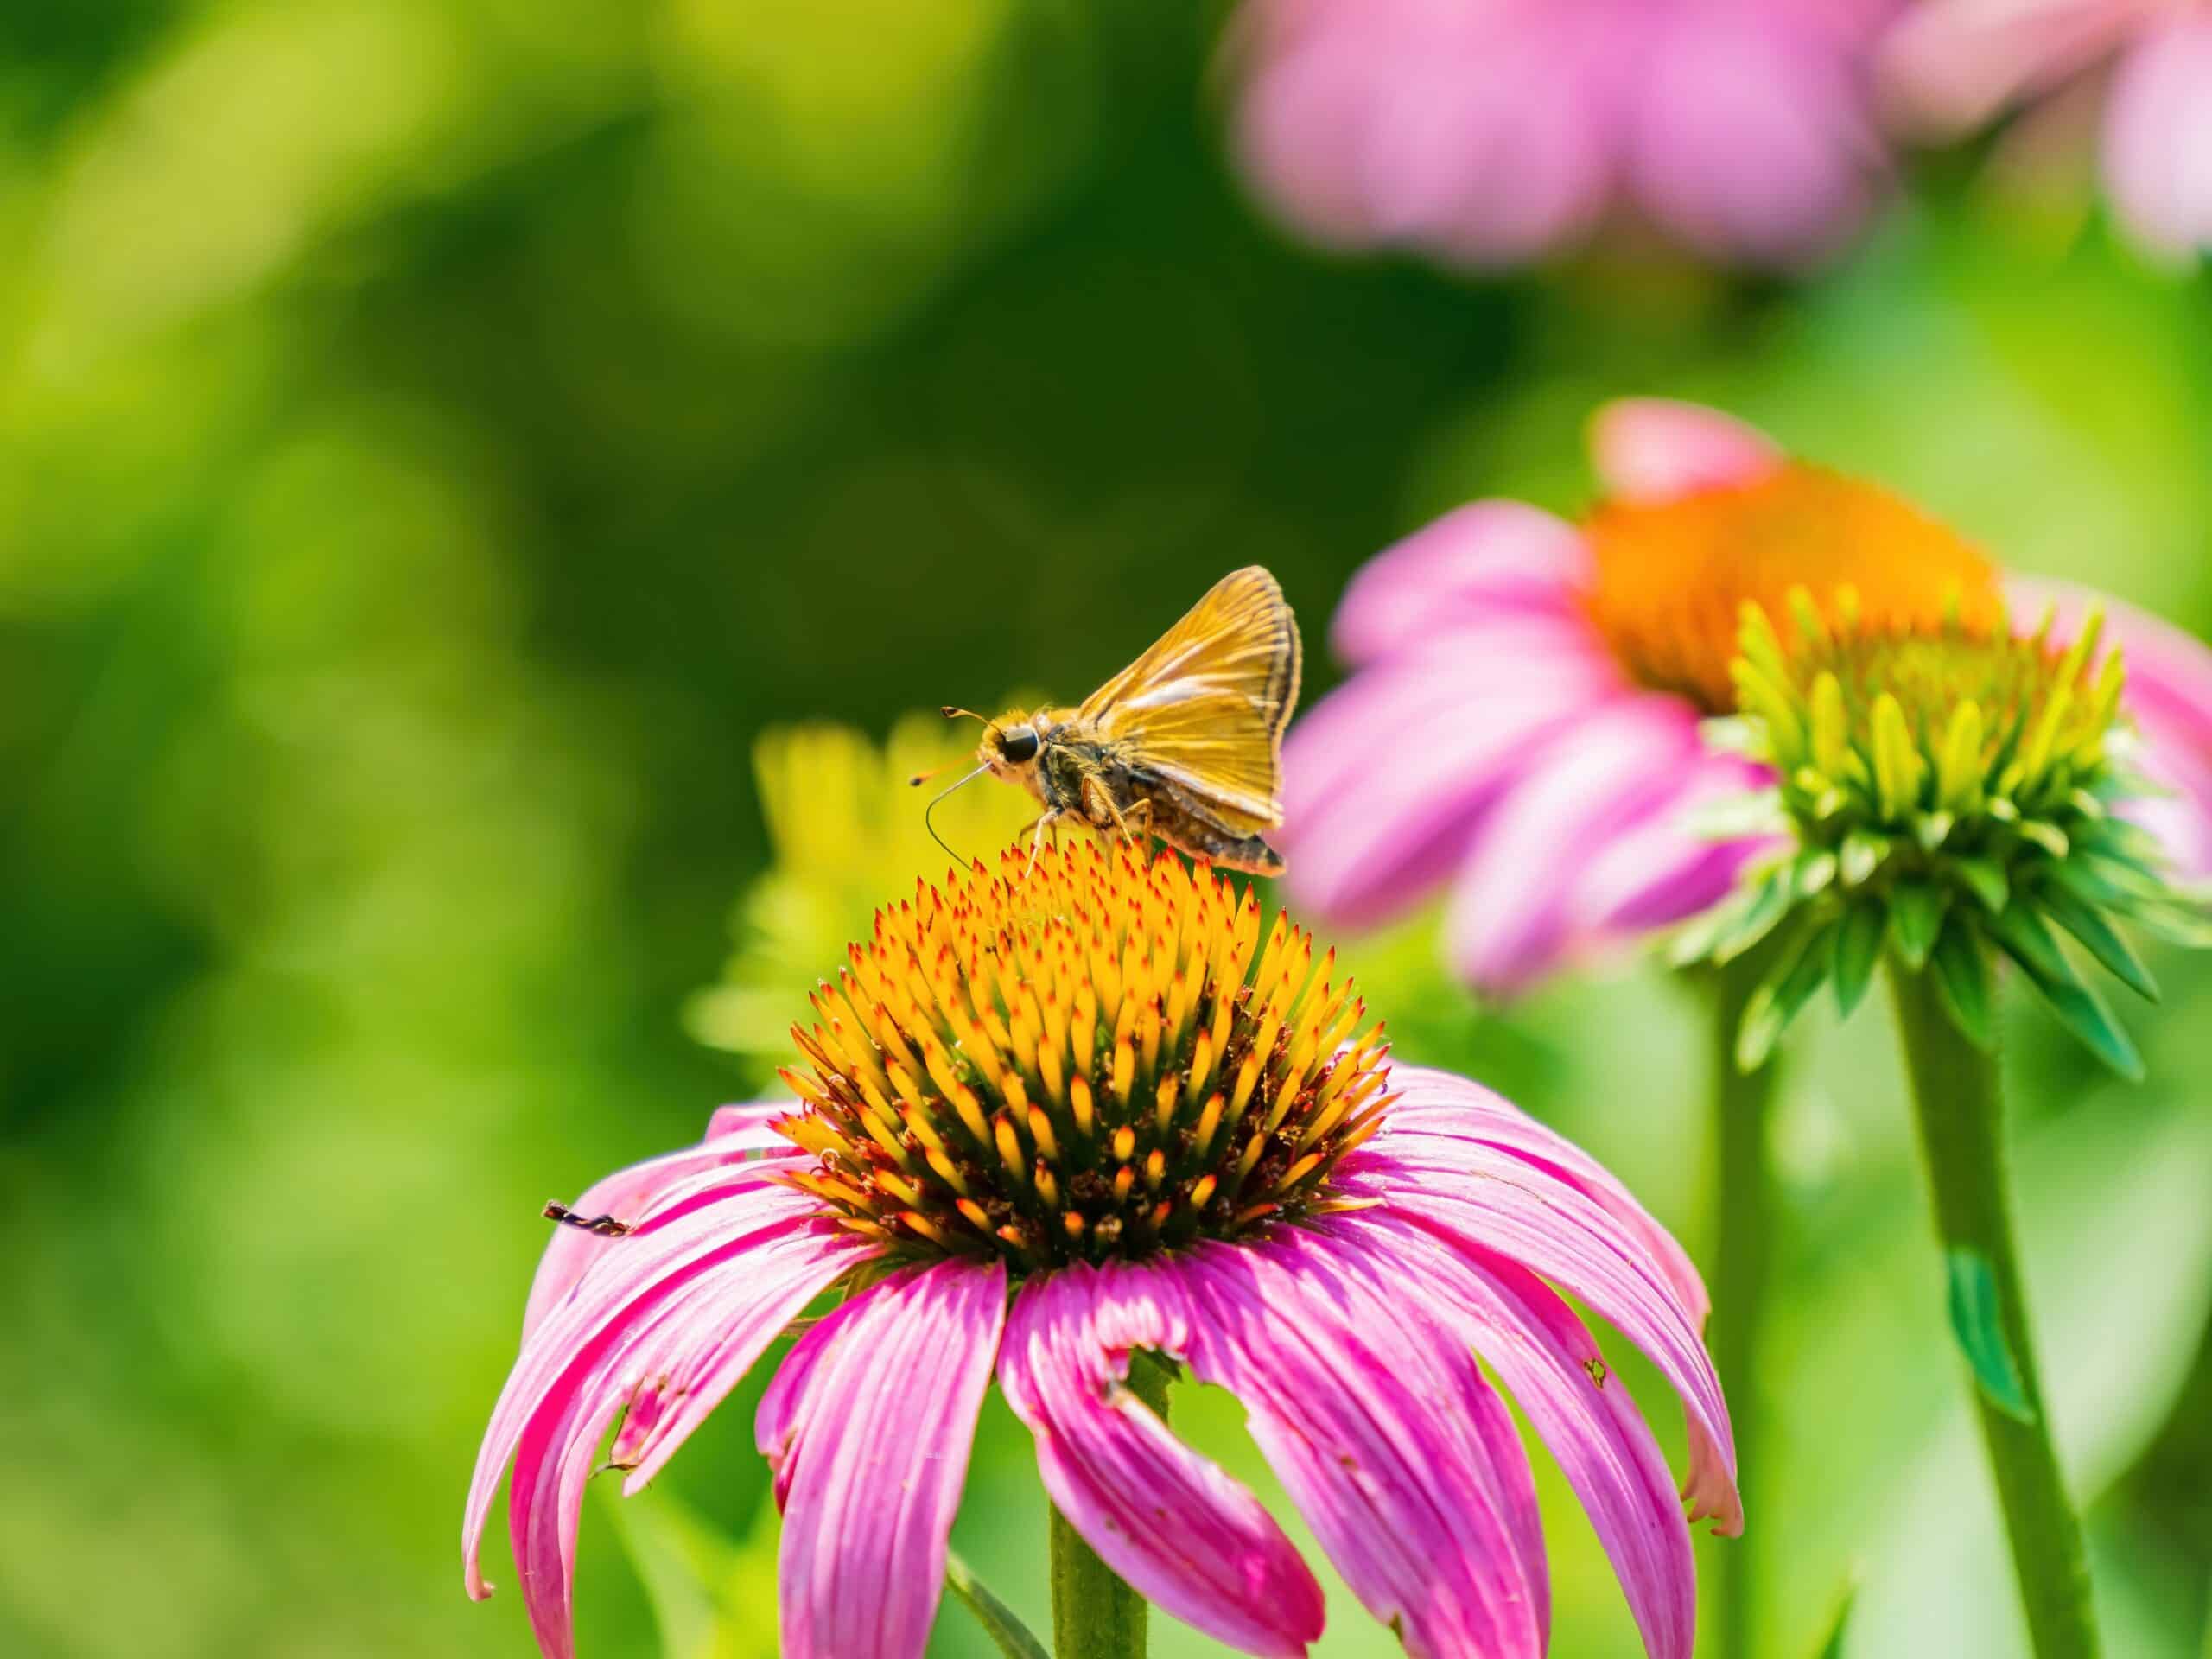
(1985, 878)
(1916, 917)
(1858, 947)
(1977, 1321)
(1832, 1645)
(1000, 1623)
(1769, 1009)
(711, 1598)
(1769, 906)
(2027, 939)
(1962, 968)
(2087, 922)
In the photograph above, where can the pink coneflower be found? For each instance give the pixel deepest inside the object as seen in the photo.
(1044, 1124)
(1492, 132)
(1951, 66)
(1524, 722)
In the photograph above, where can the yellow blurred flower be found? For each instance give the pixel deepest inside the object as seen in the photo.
(844, 828)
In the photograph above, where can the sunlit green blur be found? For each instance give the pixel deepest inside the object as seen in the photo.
(439, 437)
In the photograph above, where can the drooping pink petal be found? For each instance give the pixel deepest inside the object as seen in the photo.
(737, 1304)
(1753, 141)
(618, 1294)
(1665, 867)
(1551, 1366)
(1950, 65)
(2169, 696)
(1512, 913)
(2158, 151)
(733, 1134)
(1653, 450)
(1465, 1164)
(1471, 564)
(1390, 779)
(871, 1451)
(1181, 1532)
(1361, 1407)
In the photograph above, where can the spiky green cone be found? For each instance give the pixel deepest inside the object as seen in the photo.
(1948, 795)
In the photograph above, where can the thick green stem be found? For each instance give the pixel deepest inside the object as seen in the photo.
(1095, 1615)
(1742, 1235)
(1960, 1108)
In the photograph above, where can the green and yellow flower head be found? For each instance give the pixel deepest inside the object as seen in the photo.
(1947, 791)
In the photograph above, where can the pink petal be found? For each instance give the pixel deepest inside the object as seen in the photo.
(1364, 1409)
(1390, 779)
(1468, 1166)
(1407, 125)
(2157, 155)
(733, 1134)
(1753, 141)
(740, 1306)
(2169, 696)
(1665, 868)
(1552, 1368)
(1473, 562)
(1513, 910)
(871, 1453)
(621, 1290)
(1950, 65)
(1188, 1537)
(1652, 449)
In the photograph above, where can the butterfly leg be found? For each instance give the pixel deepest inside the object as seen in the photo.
(1098, 807)
(1047, 821)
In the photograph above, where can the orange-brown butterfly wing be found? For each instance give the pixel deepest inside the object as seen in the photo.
(1206, 706)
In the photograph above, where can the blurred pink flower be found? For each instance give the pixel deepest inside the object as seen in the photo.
(1492, 132)
(1523, 722)
(1951, 66)
(1429, 1229)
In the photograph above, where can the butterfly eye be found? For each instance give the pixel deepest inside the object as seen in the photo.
(1019, 743)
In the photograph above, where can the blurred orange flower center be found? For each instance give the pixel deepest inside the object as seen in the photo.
(1673, 577)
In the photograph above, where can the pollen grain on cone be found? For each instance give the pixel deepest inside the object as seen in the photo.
(1672, 578)
(1096, 1056)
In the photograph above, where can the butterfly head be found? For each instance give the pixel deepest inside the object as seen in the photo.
(1011, 747)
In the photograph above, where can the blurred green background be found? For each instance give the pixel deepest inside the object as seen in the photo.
(439, 437)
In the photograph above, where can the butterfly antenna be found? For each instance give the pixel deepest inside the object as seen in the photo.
(940, 796)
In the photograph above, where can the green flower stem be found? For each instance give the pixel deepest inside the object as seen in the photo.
(1960, 1110)
(1095, 1615)
(1742, 1241)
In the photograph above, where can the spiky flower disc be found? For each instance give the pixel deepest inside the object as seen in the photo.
(1095, 1057)
(1943, 788)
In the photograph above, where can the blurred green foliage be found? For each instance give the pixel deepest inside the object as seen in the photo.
(438, 437)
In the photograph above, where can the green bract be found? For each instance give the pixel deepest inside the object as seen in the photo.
(1940, 793)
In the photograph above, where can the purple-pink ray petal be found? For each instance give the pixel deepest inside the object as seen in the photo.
(1523, 1202)
(1552, 1367)
(871, 1455)
(1752, 141)
(2170, 696)
(1393, 776)
(1177, 1529)
(733, 1134)
(2158, 149)
(1467, 566)
(1667, 866)
(1359, 1403)
(1513, 909)
(1653, 450)
(620, 1289)
(738, 1303)
(1950, 65)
